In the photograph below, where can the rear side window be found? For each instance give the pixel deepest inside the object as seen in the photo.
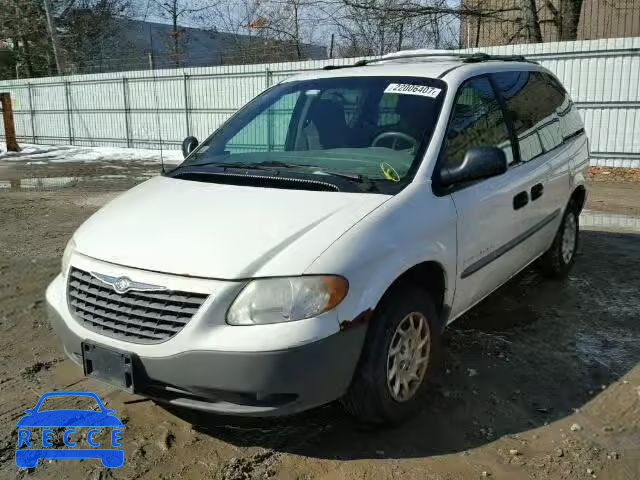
(570, 121)
(533, 100)
(476, 121)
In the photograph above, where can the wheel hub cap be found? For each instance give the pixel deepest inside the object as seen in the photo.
(408, 356)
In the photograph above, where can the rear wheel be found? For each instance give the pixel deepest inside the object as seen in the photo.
(559, 259)
(398, 359)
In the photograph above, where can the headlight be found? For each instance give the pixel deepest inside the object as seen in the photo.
(274, 300)
(66, 256)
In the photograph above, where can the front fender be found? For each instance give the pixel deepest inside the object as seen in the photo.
(404, 232)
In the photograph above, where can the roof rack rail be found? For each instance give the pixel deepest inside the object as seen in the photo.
(463, 57)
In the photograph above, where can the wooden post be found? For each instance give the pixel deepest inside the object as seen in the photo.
(9, 126)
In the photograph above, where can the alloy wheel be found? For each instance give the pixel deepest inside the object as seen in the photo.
(408, 356)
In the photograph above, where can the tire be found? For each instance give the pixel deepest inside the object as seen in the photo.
(560, 257)
(370, 398)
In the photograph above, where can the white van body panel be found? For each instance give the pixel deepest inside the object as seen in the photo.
(210, 230)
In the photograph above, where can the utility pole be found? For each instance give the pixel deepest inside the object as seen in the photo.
(53, 34)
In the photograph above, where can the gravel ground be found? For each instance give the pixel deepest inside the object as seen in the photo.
(541, 380)
(618, 175)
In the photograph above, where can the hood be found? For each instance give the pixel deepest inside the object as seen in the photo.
(220, 231)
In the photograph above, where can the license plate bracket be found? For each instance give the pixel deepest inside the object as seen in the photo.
(108, 365)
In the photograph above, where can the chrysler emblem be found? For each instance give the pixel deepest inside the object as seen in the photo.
(124, 284)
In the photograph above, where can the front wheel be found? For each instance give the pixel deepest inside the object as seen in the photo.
(559, 259)
(398, 358)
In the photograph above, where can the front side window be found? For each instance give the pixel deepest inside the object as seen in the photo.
(267, 131)
(360, 127)
(533, 101)
(476, 121)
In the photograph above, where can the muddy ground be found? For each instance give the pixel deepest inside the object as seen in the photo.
(541, 381)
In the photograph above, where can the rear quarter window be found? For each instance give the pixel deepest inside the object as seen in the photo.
(571, 124)
(534, 101)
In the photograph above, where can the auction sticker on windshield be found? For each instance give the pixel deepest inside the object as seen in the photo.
(410, 89)
(69, 433)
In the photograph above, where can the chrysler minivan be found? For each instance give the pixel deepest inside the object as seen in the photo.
(315, 246)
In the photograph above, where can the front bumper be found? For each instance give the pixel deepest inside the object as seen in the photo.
(259, 383)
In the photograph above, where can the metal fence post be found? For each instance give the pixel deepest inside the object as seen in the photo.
(268, 79)
(185, 80)
(69, 113)
(31, 114)
(127, 108)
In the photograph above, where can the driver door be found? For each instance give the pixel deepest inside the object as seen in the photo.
(487, 218)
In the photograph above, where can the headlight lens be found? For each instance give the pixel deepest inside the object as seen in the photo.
(66, 256)
(275, 300)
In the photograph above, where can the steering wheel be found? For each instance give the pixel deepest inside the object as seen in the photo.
(397, 136)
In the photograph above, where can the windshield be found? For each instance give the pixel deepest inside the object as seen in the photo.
(358, 127)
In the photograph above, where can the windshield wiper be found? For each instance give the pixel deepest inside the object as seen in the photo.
(276, 164)
(254, 166)
(367, 183)
(271, 164)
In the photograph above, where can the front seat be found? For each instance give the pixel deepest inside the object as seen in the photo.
(325, 127)
(411, 121)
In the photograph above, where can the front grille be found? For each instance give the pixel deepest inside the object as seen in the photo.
(138, 317)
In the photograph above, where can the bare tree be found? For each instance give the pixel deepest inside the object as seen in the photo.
(565, 16)
(522, 17)
(178, 11)
(370, 31)
(53, 35)
(530, 23)
(369, 27)
(288, 22)
(234, 17)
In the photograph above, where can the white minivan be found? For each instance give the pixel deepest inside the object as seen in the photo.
(316, 245)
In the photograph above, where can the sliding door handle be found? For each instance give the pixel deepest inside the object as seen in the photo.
(520, 200)
(536, 191)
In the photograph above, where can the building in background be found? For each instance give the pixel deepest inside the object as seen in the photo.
(141, 45)
(504, 22)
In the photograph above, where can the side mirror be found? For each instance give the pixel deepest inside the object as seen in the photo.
(478, 163)
(189, 144)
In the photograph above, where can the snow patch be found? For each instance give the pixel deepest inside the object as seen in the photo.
(41, 154)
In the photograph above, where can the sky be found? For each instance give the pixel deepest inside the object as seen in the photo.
(144, 10)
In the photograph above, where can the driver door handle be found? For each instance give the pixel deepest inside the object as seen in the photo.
(536, 191)
(520, 200)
